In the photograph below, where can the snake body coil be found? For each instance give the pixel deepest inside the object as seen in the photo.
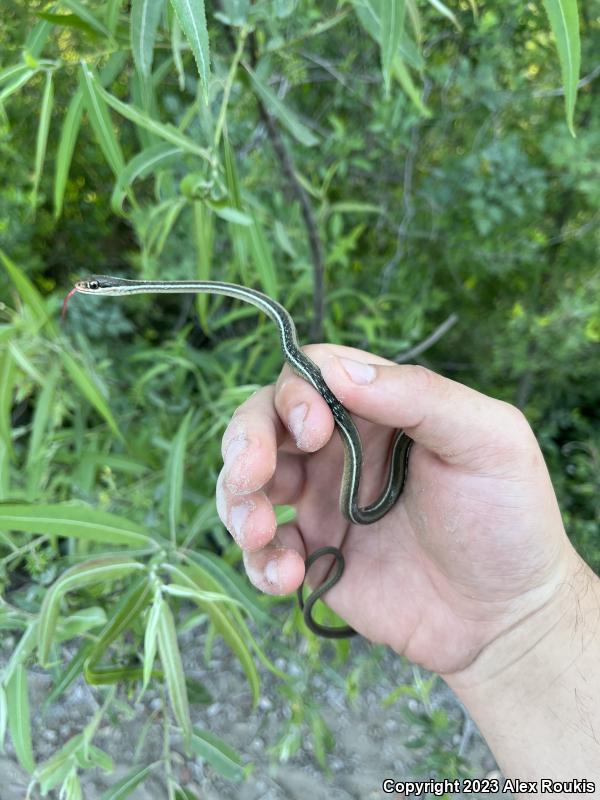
(308, 370)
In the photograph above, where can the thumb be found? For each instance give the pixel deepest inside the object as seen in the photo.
(460, 425)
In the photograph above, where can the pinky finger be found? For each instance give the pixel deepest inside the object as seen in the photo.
(277, 568)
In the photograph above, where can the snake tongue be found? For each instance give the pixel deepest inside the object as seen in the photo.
(65, 301)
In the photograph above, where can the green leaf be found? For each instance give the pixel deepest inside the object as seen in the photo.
(15, 83)
(174, 474)
(86, 15)
(98, 570)
(37, 445)
(111, 15)
(67, 21)
(170, 657)
(564, 20)
(37, 38)
(146, 162)
(287, 118)
(231, 214)
(192, 18)
(42, 134)
(263, 258)
(446, 12)
(66, 146)
(127, 611)
(123, 788)
(19, 724)
(167, 132)
(28, 293)
(223, 758)
(8, 376)
(90, 390)
(78, 522)
(225, 627)
(145, 16)
(100, 120)
(151, 639)
(392, 26)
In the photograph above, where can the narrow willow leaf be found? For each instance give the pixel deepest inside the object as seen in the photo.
(146, 162)
(81, 622)
(111, 15)
(287, 118)
(36, 450)
(15, 71)
(42, 134)
(405, 80)
(84, 13)
(100, 120)
(21, 652)
(19, 724)
(231, 215)
(192, 18)
(68, 21)
(129, 608)
(223, 758)
(174, 474)
(239, 237)
(446, 12)
(54, 770)
(145, 16)
(167, 132)
(392, 26)
(225, 627)
(235, 586)
(66, 146)
(151, 640)
(263, 258)
(78, 522)
(176, 50)
(28, 293)
(203, 231)
(123, 788)
(90, 390)
(170, 657)
(564, 20)
(37, 38)
(15, 83)
(3, 718)
(99, 570)
(8, 376)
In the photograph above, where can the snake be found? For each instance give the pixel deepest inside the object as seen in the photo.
(303, 366)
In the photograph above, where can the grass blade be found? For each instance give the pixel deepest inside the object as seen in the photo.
(36, 450)
(123, 788)
(66, 146)
(564, 21)
(145, 16)
(28, 293)
(192, 18)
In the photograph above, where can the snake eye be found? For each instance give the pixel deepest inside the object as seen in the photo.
(94, 285)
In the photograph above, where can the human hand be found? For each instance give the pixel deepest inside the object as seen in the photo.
(475, 544)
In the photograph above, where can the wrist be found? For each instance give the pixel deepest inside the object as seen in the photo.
(537, 684)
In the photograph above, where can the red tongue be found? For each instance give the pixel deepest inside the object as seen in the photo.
(65, 301)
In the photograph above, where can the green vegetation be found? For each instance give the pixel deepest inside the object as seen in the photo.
(389, 171)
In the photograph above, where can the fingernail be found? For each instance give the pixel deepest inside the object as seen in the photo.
(237, 519)
(296, 420)
(358, 371)
(272, 573)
